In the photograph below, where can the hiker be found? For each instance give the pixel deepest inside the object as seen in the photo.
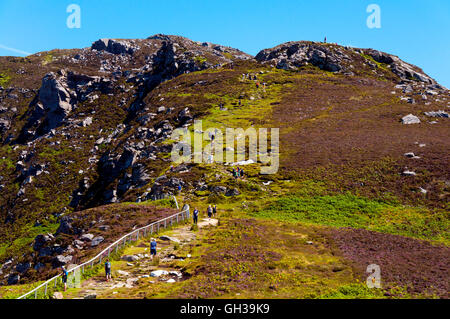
(153, 248)
(242, 172)
(214, 210)
(257, 85)
(195, 216)
(179, 188)
(108, 269)
(243, 77)
(325, 41)
(64, 277)
(209, 210)
(234, 173)
(240, 102)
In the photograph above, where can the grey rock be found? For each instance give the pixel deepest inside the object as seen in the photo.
(410, 119)
(97, 240)
(114, 46)
(61, 260)
(232, 192)
(219, 189)
(409, 173)
(87, 237)
(42, 240)
(437, 114)
(292, 55)
(130, 258)
(23, 267)
(168, 238)
(86, 122)
(13, 279)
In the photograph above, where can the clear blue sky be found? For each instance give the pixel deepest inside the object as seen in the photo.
(418, 31)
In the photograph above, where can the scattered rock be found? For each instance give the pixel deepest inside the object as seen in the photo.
(96, 241)
(410, 119)
(13, 279)
(158, 273)
(167, 238)
(87, 237)
(130, 258)
(437, 114)
(409, 173)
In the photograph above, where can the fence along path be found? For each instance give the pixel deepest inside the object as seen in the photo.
(128, 238)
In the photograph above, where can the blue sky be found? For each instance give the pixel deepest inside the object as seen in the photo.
(418, 31)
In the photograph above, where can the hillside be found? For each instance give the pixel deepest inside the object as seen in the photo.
(87, 132)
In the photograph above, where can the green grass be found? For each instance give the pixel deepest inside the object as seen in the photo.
(23, 243)
(347, 210)
(4, 79)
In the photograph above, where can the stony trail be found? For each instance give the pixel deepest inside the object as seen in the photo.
(127, 273)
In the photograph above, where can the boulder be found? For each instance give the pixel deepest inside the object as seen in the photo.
(41, 240)
(13, 279)
(232, 192)
(87, 237)
(65, 226)
(167, 238)
(159, 273)
(410, 119)
(130, 258)
(23, 267)
(437, 114)
(86, 122)
(114, 46)
(61, 260)
(4, 125)
(96, 241)
(219, 189)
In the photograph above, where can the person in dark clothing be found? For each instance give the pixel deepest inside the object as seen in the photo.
(242, 172)
(108, 270)
(214, 210)
(209, 210)
(195, 216)
(64, 277)
(153, 245)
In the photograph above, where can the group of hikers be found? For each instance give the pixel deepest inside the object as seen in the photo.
(237, 172)
(211, 211)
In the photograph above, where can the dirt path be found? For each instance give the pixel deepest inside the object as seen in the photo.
(127, 273)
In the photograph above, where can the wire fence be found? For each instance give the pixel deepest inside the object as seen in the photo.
(113, 248)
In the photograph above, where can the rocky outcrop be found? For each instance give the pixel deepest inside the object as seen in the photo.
(115, 46)
(335, 58)
(292, 55)
(58, 96)
(404, 70)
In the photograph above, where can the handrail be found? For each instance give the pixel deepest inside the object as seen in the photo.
(112, 246)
